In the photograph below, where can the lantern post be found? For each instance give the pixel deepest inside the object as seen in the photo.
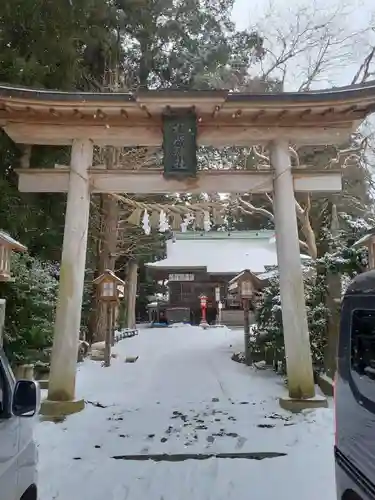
(109, 290)
(246, 294)
(217, 299)
(244, 285)
(220, 307)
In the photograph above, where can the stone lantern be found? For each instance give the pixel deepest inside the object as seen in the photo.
(7, 246)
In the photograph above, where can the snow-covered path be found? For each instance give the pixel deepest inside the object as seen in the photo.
(184, 395)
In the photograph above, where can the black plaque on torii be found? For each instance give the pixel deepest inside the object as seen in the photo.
(180, 143)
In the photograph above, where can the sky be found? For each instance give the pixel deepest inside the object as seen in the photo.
(247, 13)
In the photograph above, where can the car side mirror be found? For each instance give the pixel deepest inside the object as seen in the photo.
(26, 398)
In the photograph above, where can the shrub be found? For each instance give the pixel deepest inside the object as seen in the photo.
(30, 309)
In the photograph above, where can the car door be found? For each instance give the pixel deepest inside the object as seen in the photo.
(355, 391)
(9, 437)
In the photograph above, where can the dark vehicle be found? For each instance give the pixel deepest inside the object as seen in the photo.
(355, 392)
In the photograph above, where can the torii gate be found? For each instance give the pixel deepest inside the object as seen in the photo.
(223, 119)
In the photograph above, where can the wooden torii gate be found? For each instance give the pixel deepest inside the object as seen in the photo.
(223, 119)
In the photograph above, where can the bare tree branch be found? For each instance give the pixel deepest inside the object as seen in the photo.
(270, 216)
(307, 44)
(303, 215)
(363, 73)
(251, 209)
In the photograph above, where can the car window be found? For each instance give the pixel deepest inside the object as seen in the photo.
(363, 351)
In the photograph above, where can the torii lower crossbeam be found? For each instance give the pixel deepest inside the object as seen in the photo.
(152, 181)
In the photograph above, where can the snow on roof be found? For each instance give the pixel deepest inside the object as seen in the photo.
(221, 252)
(272, 274)
(6, 239)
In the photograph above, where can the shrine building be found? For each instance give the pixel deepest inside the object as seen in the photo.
(202, 263)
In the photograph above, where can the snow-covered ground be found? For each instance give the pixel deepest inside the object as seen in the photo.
(184, 395)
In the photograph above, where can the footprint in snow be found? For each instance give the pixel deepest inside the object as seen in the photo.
(240, 442)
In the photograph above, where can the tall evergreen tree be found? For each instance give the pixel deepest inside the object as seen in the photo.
(186, 44)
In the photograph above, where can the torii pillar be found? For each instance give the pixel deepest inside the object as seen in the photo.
(61, 389)
(301, 384)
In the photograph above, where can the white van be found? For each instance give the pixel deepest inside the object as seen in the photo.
(18, 454)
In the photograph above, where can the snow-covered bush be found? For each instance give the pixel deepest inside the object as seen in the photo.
(269, 318)
(347, 262)
(30, 308)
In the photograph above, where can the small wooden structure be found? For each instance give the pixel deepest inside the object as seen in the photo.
(110, 287)
(7, 246)
(157, 312)
(245, 285)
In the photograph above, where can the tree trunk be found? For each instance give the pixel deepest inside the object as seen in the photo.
(131, 294)
(108, 243)
(333, 305)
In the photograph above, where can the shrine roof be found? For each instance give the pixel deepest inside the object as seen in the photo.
(357, 91)
(7, 240)
(253, 250)
(39, 116)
